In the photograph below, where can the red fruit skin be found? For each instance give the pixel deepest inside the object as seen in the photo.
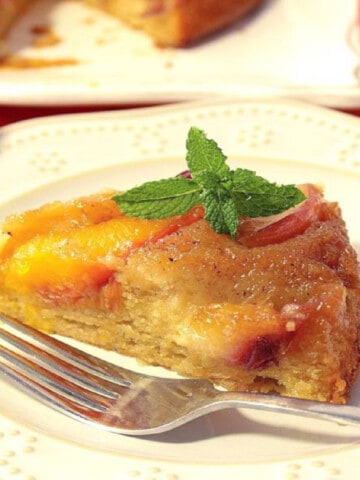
(258, 232)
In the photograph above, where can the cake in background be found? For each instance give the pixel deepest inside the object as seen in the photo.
(9, 12)
(170, 23)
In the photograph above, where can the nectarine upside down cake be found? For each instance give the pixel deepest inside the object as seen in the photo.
(215, 273)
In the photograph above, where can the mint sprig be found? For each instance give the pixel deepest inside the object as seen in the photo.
(160, 199)
(226, 194)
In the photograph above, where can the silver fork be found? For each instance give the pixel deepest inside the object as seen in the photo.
(102, 394)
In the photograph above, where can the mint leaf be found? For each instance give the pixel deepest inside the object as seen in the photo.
(204, 155)
(209, 180)
(221, 212)
(160, 198)
(257, 197)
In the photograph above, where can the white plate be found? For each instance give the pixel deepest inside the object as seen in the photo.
(61, 157)
(297, 48)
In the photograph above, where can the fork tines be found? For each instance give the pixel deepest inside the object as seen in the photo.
(57, 373)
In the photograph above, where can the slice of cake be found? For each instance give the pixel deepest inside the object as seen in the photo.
(171, 23)
(271, 306)
(177, 23)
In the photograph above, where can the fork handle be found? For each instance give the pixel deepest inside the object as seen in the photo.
(340, 414)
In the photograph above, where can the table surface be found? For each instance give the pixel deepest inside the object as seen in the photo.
(11, 114)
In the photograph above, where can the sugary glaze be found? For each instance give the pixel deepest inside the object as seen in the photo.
(276, 310)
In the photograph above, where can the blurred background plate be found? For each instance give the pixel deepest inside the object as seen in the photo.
(299, 48)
